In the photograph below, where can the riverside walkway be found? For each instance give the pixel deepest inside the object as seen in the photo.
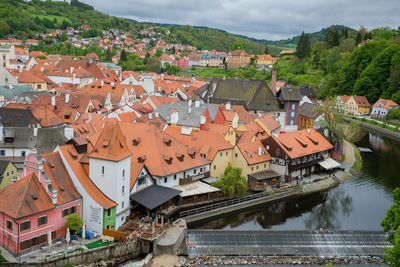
(285, 243)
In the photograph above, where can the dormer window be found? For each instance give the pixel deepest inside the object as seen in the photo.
(136, 141)
(167, 141)
(106, 143)
(141, 159)
(180, 156)
(168, 159)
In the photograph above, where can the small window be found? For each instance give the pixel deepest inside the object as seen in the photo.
(25, 226)
(23, 153)
(194, 171)
(42, 239)
(227, 153)
(252, 168)
(12, 171)
(236, 155)
(292, 114)
(109, 212)
(293, 106)
(24, 244)
(123, 189)
(9, 225)
(123, 173)
(165, 180)
(102, 170)
(2, 152)
(220, 154)
(265, 165)
(7, 174)
(257, 167)
(42, 220)
(174, 176)
(123, 204)
(215, 167)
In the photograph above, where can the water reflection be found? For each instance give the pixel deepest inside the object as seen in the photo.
(329, 215)
(358, 204)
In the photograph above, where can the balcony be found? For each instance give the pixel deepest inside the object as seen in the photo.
(192, 178)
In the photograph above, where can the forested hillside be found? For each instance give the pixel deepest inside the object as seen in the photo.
(365, 63)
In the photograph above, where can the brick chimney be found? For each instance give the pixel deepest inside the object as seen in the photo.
(273, 82)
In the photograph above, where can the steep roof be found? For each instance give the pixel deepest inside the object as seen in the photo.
(302, 143)
(17, 117)
(385, 103)
(60, 179)
(269, 122)
(361, 101)
(289, 94)
(27, 197)
(239, 52)
(309, 110)
(111, 144)
(307, 91)
(254, 152)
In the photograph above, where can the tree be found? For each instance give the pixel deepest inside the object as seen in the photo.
(4, 28)
(391, 225)
(108, 55)
(358, 38)
(146, 58)
(123, 56)
(158, 53)
(153, 64)
(74, 223)
(63, 37)
(237, 45)
(232, 182)
(303, 46)
(266, 50)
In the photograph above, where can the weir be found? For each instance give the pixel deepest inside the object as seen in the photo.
(285, 243)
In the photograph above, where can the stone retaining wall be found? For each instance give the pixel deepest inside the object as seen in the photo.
(118, 251)
(376, 129)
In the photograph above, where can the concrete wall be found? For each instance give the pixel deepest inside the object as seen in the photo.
(126, 251)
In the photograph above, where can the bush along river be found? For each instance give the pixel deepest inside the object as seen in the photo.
(360, 203)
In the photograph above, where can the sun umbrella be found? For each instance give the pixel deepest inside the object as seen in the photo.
(49, 240)
(68, 236)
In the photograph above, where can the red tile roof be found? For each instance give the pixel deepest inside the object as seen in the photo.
(361, 101)
(254, 152)
(385, 103)
(24, 197)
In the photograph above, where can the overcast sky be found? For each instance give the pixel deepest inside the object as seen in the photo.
(263, 19)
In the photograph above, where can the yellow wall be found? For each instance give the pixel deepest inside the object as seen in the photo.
(262, 125)
(230, 136)
(220, 162)
(363, 110)
(350, 107)
(238, 160)
(10, 173)
(305, 123)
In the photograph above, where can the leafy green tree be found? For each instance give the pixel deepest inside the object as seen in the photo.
(123, 55)
(391, 225)
(108, 56)
(232, 182)
(158, 53)
(146, 58)
(63, 37)
(74, 223)
(303, 46)
(4, 28)
(358, 38)
(153, 65)
(266, 50)
(237, 45)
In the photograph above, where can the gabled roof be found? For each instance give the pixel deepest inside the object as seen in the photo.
(17, 117)
(302, 143)
(307, 91)
(60, 179)
(254, 152)
(239, 52)
(72, 158)
(24, 197)
(289, 94)
(29, 77)
(269, 122)
(3, 166)
(111, 144)
(361, 101)
(385, 103)
(309, 110)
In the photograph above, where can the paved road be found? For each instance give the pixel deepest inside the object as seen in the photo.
(275, 243)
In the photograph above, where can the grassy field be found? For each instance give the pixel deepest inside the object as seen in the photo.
(96, 244)
(52, 17)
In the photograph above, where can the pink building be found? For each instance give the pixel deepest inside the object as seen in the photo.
(182, 63)
(37, 204)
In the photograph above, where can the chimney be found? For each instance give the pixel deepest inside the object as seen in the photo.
(259, 151)
(72, 69)
(66, 98)
(197, 104)
(89, 117)
(35, 131)
(190, 103)
(73, 77)
(228, 106)
(150, 116)
(102, 83)
(190, 110)
(69, 132)
(41, 69)
(53, 100)
(54, 196)
(156, 114)
(273, 82)
(112, 83)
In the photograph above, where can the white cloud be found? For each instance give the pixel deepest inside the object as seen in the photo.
(264, 19)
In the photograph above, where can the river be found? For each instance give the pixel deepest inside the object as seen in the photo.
(360, 203)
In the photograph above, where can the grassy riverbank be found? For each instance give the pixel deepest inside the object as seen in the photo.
(382, 124)
(357, 164)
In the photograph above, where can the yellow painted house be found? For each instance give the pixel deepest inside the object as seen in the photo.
(357, 105)
(251, 157)
(8, 173)
(269, 124)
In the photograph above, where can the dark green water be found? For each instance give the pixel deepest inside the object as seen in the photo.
(360, 203)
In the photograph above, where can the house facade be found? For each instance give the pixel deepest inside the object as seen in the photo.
(238, 59)
(357, 106)
(382, 107)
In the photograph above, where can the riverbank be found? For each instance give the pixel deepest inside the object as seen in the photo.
(374, 128)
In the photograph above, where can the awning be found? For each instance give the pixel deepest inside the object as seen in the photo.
(329, 163)
(154, 196)
(195, 188)
(264, 175)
